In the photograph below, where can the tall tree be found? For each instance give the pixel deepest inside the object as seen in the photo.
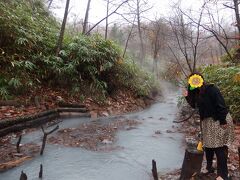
(128, 38)
(106, 29)
(187, 36)
(234, 5)
(61, 35)
(85, 23)
(156, 36)
(139, 7)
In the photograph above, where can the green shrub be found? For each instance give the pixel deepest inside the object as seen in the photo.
(228, 80)
(28, 35)
(235, 57)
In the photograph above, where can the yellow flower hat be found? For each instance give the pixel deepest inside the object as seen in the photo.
(195, 81)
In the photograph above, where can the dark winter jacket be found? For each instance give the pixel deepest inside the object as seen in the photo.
(210, 103)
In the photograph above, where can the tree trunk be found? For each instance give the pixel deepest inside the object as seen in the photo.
(85, 23)
(236, 9)
(60, 39)
(106, 29)
(128, 38)
(142, 53)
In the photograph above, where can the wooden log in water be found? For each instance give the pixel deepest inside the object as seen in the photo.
(45, 134)
(40, 171)
(23, 176)
(18, 143)
(192, 164)
(154, 170)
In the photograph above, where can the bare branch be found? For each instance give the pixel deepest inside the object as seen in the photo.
(106, 17)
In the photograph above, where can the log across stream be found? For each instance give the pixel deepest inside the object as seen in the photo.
(128, 157)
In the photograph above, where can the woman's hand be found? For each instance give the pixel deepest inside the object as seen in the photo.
(185, 92)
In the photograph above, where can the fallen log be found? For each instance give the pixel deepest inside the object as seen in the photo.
(29, 124)
(70, 105)
(10, 122)
(74, 114)
(14, 125)
(82, 110)
(14, 163)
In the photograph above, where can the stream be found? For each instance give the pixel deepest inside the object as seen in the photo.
(132, 161)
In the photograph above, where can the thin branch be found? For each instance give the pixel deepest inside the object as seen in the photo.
(105, 17)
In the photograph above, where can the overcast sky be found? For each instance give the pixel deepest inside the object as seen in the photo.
(98, 9)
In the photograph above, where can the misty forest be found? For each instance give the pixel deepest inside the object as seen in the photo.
(118, 89)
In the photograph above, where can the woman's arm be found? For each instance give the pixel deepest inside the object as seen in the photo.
(191, 98)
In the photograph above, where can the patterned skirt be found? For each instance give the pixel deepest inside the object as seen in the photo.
(214, 136)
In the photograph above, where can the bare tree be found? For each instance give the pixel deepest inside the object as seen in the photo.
(128, 37)
(106, 29)
(142, 52)
(234, 5)
(109, 4)
(219, 32)
(187, 36)
(85, 23)
(113, 12)
(156, 36)
(61, 35)
(139, 7)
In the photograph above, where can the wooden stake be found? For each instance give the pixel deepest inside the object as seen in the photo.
(23, 176)
(45, 134)
(18, 143)
(154, 170)
(41, 171)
